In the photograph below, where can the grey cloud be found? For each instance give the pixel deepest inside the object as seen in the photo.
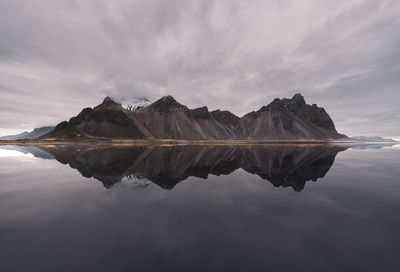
(57, 57)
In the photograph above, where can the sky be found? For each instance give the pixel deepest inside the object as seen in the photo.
(57, 57)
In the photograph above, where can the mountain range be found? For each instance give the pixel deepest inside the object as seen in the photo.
(166, 118)
(37, 132)
(373, 139)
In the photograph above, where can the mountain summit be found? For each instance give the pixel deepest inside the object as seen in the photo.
(289, 119)
(166, 118)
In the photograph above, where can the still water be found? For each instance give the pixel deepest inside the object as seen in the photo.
(200, 208)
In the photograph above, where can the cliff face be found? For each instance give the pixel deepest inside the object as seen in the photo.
(168, 119)
(289, 119)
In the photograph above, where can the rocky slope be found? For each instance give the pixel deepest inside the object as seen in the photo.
(289, 119)
(168, 119)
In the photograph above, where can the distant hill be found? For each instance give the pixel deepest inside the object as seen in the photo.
(166, 118)
(373, 139)
(37, 132)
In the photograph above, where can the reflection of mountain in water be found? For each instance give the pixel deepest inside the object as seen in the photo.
(166, 166)
(36, 152)
(373, 146)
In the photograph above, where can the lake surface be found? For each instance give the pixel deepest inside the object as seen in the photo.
(200, 208)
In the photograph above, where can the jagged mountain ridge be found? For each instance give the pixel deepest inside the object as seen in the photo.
(166, 118)
(132, 104)
(290, 119)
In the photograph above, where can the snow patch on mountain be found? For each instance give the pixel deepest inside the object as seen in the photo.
(133, 103)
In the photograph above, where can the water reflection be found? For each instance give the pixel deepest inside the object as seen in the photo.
(283, 166)
(53, 221)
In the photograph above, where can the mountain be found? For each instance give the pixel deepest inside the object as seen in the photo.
(19, 136)
(282, 165)
(37, 132)
(373, 139)
(166, 118)
(289, 119)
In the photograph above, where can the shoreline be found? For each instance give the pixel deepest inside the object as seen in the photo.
(172, 142)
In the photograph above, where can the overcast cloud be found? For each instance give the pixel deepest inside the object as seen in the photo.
(57, 57)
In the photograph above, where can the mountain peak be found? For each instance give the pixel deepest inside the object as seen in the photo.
(296, 103)
(298, 99)
(110, 99)
(168, 99)
(165, 104)
(108, 102)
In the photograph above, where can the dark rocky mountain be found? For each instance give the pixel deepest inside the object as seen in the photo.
(37, 132)
(282, 165)
(290, 119)
(168, 119)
